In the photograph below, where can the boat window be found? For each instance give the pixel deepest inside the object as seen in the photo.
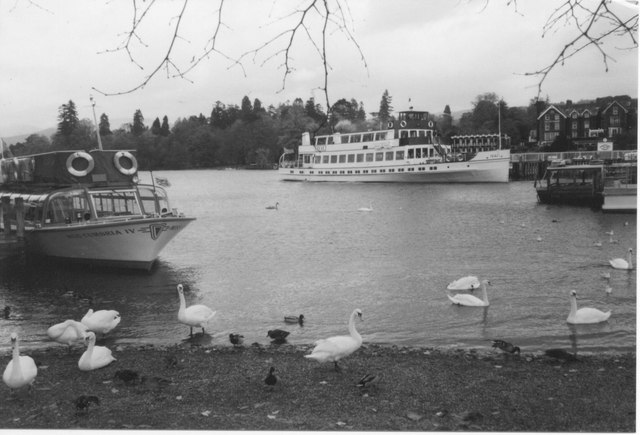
(388, 155)
(344, 139)
(67, 207)
(325, 159)
(355, 138)
(321, 140)
(404, 133)
(381, 135)
(410, 153)
(418, 153)
(343, 158)
(334, 158)
(421, 133)
(360, 158)
(330, 140)
(351, 158)
(399, 155)
(379, 157)
(367, 137)
(154, 200)
(306, 158)
(317, 159)
(413, 133)
(369, 157)
(116, 203)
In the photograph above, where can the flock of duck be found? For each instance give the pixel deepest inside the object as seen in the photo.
(21, 371)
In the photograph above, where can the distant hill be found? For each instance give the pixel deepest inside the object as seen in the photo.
(12, 140)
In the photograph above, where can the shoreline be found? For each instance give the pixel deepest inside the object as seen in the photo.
(190, 386)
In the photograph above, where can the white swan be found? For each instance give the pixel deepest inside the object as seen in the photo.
(465, 283)
(585, 315)
(101, 321)
(195, 315)
(338, 347)
(95, 357)
(272, 207)
(68, 332)
(470, 300)
(21, 370)
(620, 263)
(370, 208)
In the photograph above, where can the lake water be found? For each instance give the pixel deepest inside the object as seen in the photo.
(319, 256)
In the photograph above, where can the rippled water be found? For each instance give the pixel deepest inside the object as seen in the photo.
(317, 255)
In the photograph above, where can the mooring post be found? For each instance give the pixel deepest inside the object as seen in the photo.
(6, 221)
(19, 205)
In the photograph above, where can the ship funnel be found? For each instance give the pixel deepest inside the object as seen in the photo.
(306, 139)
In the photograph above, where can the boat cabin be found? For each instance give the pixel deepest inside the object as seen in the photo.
(575, 184)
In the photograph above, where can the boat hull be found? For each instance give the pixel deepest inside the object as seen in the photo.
(495, 170)
(133, 243)
(620, 200)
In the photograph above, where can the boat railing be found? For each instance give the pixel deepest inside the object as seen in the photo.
(576, 156)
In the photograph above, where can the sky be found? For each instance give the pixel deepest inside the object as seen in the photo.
(426, 53)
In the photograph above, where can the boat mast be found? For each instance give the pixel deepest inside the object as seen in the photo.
(95, 120)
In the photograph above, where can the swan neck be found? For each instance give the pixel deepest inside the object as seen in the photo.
(352, 327)
(485, 298)
(629, 260)
(574, 306)
(17, 369)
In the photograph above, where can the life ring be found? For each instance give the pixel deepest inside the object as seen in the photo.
(130, 168)
(390, 124)
(430, 123)
(403, 123)
(80, 155)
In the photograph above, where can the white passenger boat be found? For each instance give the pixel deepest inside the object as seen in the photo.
(87, 207)
(407, 151)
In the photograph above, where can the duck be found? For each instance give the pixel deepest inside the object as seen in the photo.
(370, 208)
(95, 357)
(338, 347)
(585, 315)
(236, 339)
(620, 263)
(21, 370)
(68, 332)
(272, 207)
(294, 319)
(505, 346)
(278, 335)
(101, 321)
(8, 315)
(470, 300)
(195, 315)
(271, 379)
(465, 283)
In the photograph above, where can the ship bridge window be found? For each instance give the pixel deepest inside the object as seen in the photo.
(404, 133)
(67, 207)
(413, 133)
(421, 133)
(154, 200)
(115, 203)
(321, 140)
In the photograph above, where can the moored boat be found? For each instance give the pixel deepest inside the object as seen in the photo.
(87, 207)
(571, 184)
(407, 151)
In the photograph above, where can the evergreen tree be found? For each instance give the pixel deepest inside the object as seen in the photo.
(155, 127)
(164, 128)
(67, 119)
(246, 110)
(104, 128)
(138, 126)
(384, 114)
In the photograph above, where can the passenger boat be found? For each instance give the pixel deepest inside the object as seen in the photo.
(570, 184)
(87, 206)
(620, 192)
(407, 151)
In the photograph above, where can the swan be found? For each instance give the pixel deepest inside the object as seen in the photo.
(370, 208)
(470, 300)
(464, 283)
(585, 315)
(272, 207)
(294, 319)
(101, 321)
(195, 315)
(95, 357)
(68, 332)
(338, 347)
(619, 263)
(21, 370)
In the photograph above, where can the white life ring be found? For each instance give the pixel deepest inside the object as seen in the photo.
(390, 124)
(403, 123)
(430, 123)
(80, 155)
(133, 163)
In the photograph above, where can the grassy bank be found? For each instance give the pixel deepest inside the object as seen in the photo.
(222, 388)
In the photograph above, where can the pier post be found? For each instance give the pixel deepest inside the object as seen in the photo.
(19, 205)
(6, 220)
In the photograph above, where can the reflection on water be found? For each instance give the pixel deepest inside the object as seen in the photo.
(317, 255)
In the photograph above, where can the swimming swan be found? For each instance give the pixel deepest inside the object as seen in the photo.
(470, 300)
(195, 315)
(21, 370)
(336, 348)
(464, 283)
(272, 207)
(68, 332)
(95, 357)
(101, 321)
(619, 263)
(585, 315)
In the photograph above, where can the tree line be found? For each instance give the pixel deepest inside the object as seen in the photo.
(250, 135)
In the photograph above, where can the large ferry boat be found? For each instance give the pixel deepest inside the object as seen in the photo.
(87, 206)
(407, 151)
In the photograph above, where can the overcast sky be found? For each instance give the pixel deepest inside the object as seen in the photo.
(434, 52)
